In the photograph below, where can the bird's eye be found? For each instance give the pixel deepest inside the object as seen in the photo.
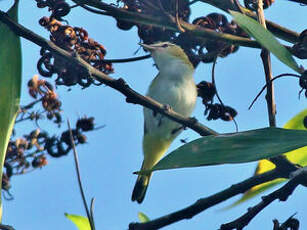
(165, 45)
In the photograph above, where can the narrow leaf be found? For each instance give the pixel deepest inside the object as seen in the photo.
(142, 217)
(239, 147)
(265, 38)
(81, 222)
(298, 156)
(10, 84)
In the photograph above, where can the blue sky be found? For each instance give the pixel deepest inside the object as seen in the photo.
(114, 152)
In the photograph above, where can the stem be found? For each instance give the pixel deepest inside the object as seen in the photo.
(79, 176)
(273, 79)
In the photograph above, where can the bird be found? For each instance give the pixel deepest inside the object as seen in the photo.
(175, 88)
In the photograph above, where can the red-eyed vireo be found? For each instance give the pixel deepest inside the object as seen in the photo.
(174, 86)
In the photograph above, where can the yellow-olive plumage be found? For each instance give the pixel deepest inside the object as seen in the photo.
(174, 86)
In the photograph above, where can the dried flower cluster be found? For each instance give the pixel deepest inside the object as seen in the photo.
(27, 153)
(207, 91)
(74, 40)
(193, 47)
(45, 91)
(157, 8)
(299, 49)
(253, 4)
(303, 83)
(59, 8)
(196, 47)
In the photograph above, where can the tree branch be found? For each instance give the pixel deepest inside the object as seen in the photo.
(266, 60)
(205, 203)
(282, 194)
(117, 84)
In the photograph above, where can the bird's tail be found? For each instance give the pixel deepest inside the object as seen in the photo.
(140, 188)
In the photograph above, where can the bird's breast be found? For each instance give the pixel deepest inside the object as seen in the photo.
(180, 95)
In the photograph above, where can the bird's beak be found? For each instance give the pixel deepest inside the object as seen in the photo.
(150, 48)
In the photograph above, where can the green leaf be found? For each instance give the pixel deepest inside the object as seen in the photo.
(10, 84)
(81, 222)
(238, 147)
(265, 38)
(298, 156)
(142, 217)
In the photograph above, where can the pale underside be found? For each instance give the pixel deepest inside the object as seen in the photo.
(159, 131)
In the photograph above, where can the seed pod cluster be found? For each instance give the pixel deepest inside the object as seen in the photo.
(197, 50)
(29, 152)
(76, 41)
(47, 95)
(299, 49)
(59, 8)
(60, 146)
(206, 51)
(207, 91)
(253, 4)
(303, 83)
(156, 8)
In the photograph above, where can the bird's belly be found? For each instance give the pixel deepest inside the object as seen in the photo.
(181, 98)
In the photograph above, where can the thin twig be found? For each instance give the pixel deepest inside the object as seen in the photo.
(282, 194)
(239, 7)
(125, 60)
(94, 10)
(273, 79)
(216, 92)
(177, 18)
(92, 212)
(265, 56)
(6, 227)
(213, 80)
(79, 175)
(30, 105)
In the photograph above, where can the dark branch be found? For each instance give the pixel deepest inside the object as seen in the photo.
(282, 194)
(79, 177)
(205, 203)
(125, 60)
(266, 85)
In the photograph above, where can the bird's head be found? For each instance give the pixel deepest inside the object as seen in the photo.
(166, 53)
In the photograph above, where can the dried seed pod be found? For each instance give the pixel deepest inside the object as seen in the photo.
(206, 90)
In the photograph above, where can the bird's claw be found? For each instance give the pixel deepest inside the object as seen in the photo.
(167, 107)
